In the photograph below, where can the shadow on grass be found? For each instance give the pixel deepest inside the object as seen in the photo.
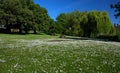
(86, 38)
(77, 38)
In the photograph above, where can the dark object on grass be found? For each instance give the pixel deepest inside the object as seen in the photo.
(62, 35)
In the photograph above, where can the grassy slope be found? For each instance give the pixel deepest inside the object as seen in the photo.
(26, 37)
(43, 53)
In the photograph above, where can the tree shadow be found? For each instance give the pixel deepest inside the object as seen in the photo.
(77, 38)
(86, 38)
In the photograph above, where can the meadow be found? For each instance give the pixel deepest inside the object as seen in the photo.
(51, 54)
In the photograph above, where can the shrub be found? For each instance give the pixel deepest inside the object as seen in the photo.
(118, 36)
(108, 37)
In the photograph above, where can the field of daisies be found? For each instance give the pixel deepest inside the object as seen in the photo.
(51, 54)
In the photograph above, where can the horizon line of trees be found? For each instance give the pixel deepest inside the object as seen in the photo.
(26, 16)
(87, 24)
(116, 8)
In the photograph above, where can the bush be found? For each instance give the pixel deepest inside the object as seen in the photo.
(108, 37)
(118, 36)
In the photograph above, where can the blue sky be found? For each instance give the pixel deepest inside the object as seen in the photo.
(55, 7)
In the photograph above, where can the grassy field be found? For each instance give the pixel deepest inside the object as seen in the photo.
(50, 54)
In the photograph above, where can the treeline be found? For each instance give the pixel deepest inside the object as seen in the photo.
(87, 24)
(22, 16)
(116, 8)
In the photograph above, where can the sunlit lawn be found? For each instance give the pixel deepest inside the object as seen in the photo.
(50, 54)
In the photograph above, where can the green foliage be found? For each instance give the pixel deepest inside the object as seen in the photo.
(61, 22)
(118, 36)
(88, 24)
(23, 15)
(28, 16)
(117, 9)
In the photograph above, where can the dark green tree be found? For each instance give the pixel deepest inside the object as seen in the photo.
(61, 23)
(24, 15)
(87, 24)
(10, 9)
(117, 8)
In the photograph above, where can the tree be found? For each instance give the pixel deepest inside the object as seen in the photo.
(41, 18)
(9, 10)
(74, 23)
(61, 22)
(52, 27)
(24, 15)
(27, 22)
(87, 24)
(117, 9)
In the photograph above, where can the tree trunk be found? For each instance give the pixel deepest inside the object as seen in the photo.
(35, 32)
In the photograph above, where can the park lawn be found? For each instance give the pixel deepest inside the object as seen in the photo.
(26, 36)
(50, 54)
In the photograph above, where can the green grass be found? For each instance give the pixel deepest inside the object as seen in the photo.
(26, 37)
(45, 54)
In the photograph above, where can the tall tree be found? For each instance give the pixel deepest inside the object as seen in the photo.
(10, 9)
(24, 15)
(117, 8)
(88, 24)
(62, 22)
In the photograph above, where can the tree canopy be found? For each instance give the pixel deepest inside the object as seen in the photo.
(117, 9)
(88, 24)
(24, 15)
